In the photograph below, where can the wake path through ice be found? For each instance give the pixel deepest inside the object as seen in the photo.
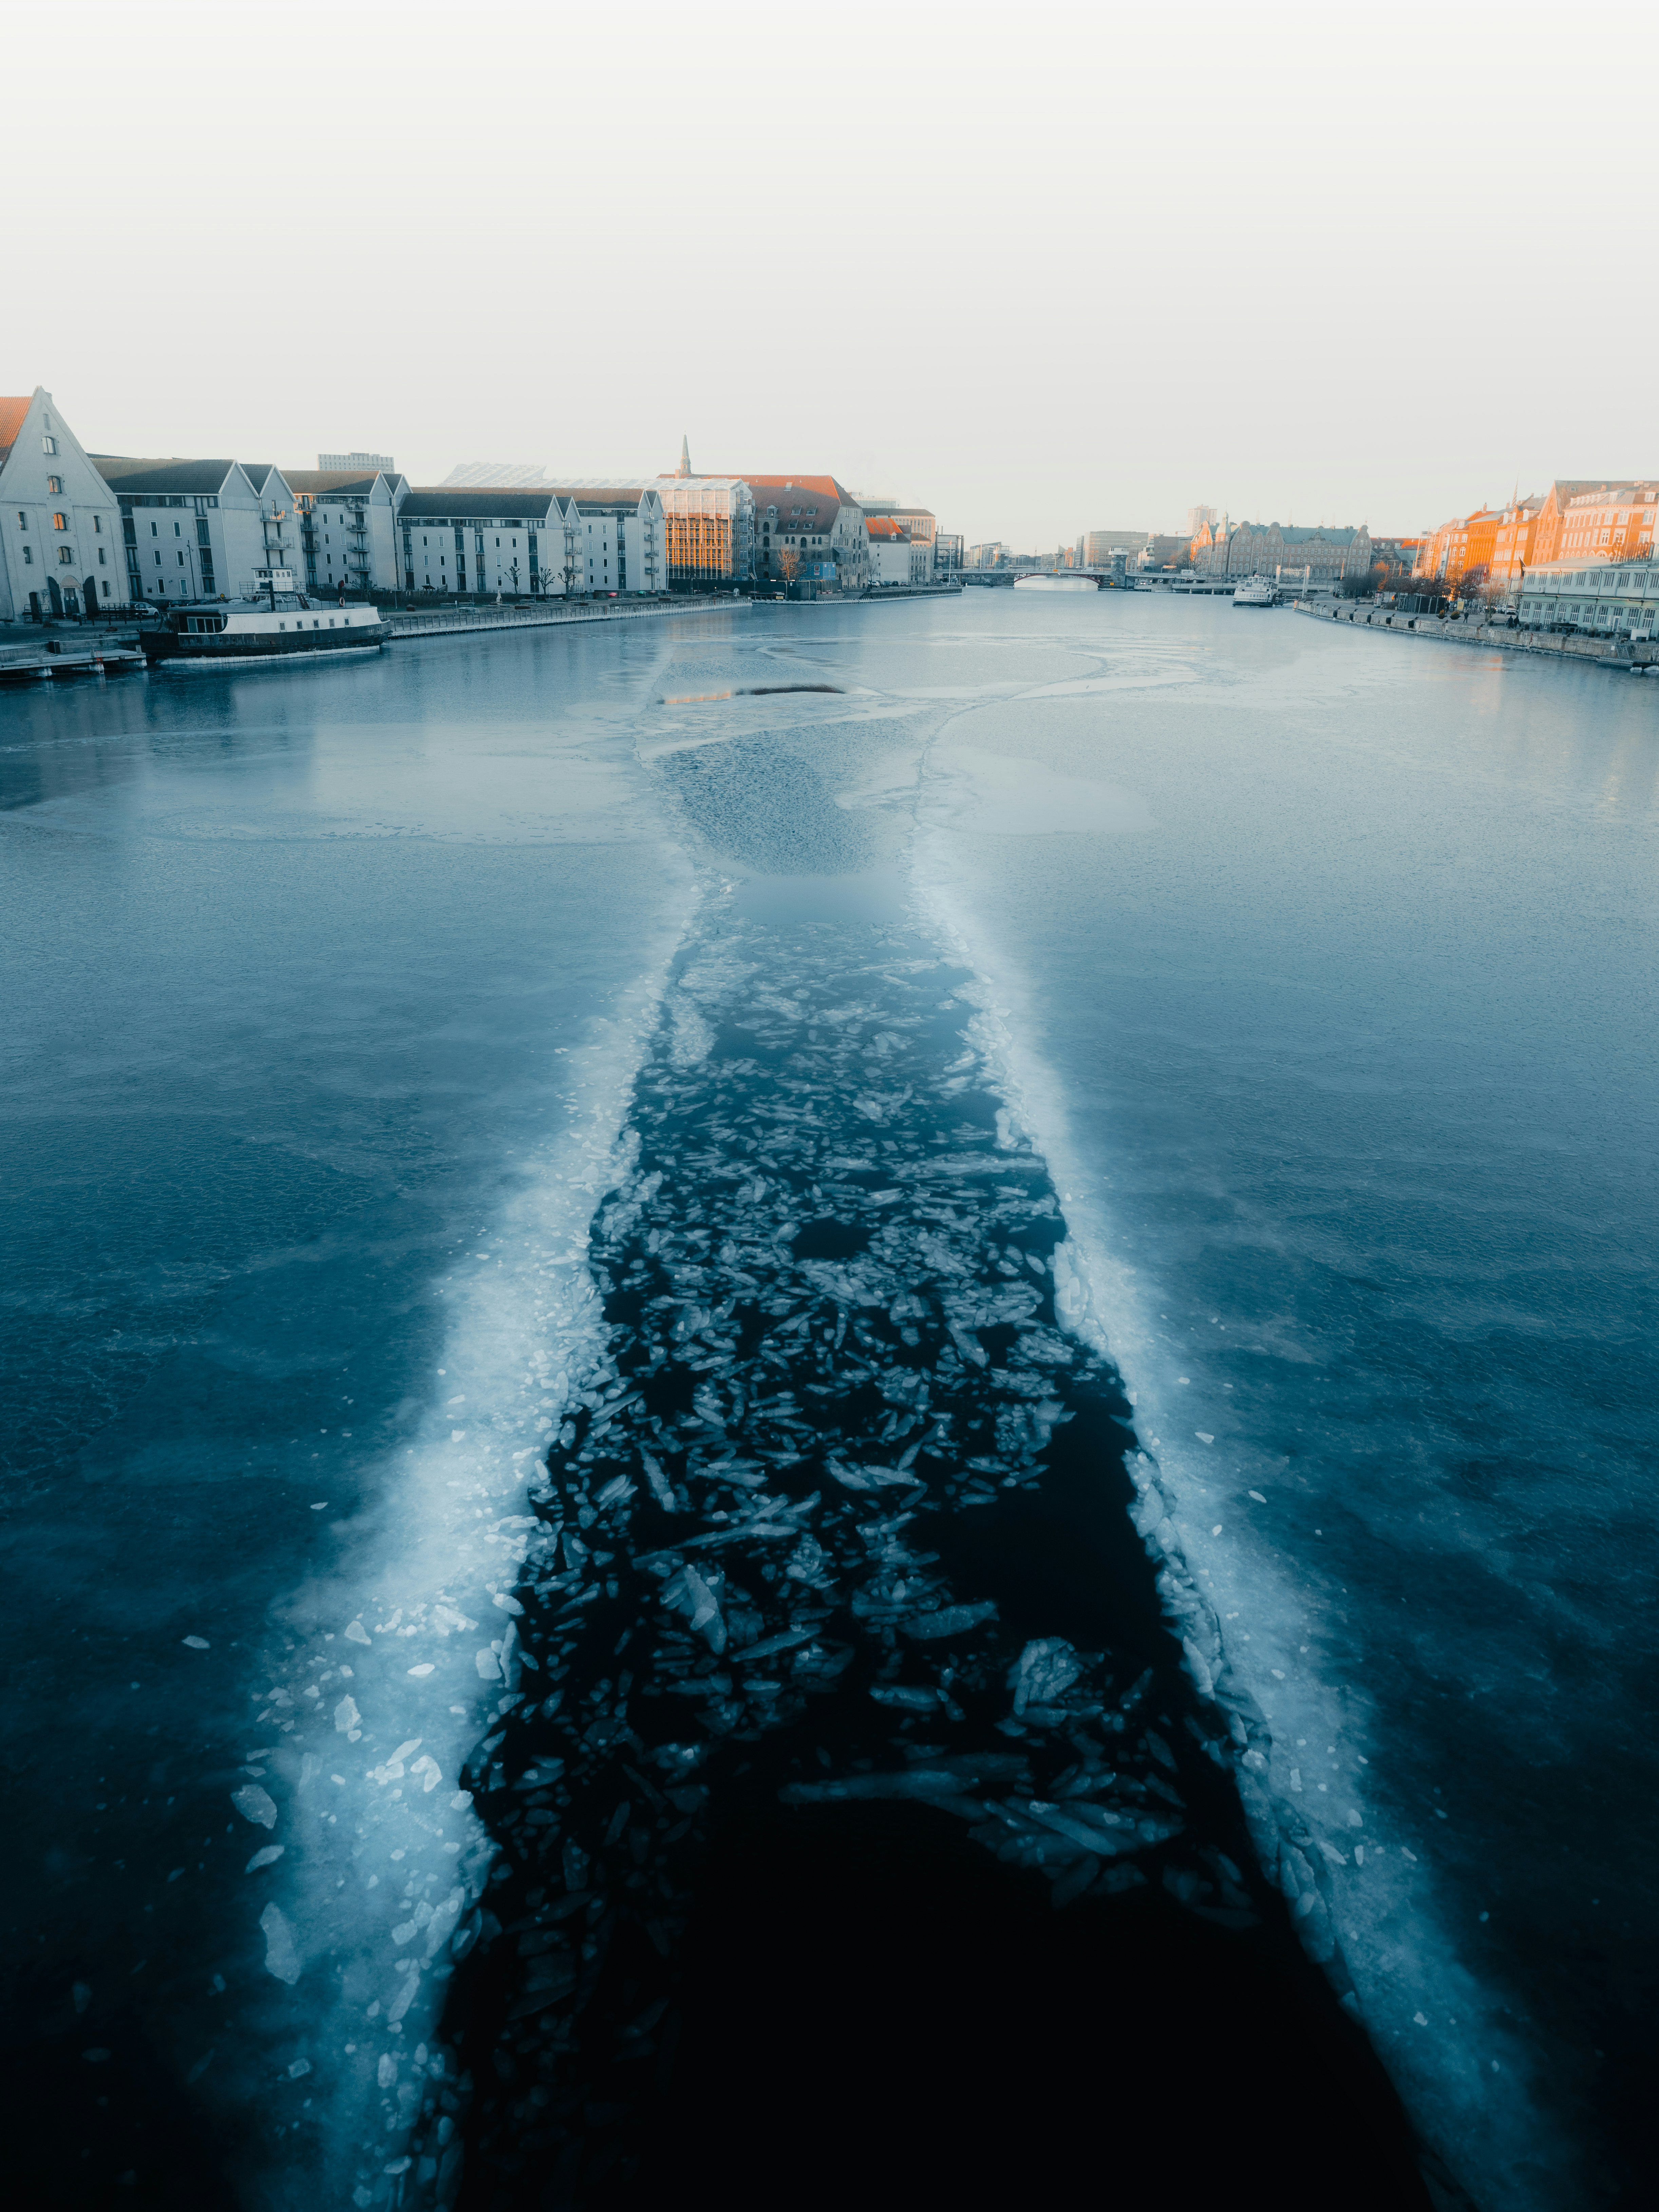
(844, 1324)
(747, 1409)
(781, 1514)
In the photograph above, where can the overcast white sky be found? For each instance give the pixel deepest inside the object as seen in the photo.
(1046, 268)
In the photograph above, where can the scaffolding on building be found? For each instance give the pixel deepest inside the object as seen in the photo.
(711, 529)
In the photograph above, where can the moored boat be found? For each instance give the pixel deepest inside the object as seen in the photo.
(284, 624)
(1255, 592)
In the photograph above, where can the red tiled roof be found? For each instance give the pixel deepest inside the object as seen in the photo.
(826, 486)
(882, 525)
(12, 412)
(807, 503)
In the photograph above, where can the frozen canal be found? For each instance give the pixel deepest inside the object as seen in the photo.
(901, 1429)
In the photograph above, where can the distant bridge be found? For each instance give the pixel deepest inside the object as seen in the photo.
(1107, 580)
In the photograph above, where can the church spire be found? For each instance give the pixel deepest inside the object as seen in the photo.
(685, 468)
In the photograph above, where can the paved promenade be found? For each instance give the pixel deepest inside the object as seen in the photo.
(1606, 651)
(444, 621)
(80, 647)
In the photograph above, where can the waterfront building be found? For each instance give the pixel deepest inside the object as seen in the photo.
(622, 536)
(1394, 560)
(710, 526)
(921, 525)
(818, 522)
(1601, 598)
(988, 556)
(1161, 551)
(947, 553)
(520, 543)
(60, 524)
(1610, 522)
(360, 464)
(1316, 559)
(702, 539)
(201, 530)
(1098, 546)
(889, 550)
(1462, 547)
(1513, 548)
(348, 527)
(1582, 519)
(1208, 550)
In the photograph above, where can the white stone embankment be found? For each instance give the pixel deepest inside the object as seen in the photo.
(446, 622)
(1605, 652)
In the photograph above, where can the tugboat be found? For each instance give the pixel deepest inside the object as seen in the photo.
(1255, 592)
(285, 625)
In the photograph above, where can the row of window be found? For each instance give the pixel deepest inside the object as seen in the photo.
(460, 540)
(1618, 579)
(1589, 611)
(60, 521)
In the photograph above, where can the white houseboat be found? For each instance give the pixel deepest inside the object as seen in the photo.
(282, 625)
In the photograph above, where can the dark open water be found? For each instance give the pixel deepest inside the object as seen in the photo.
(903, 1432)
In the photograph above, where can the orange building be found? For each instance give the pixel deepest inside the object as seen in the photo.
(1515, 545)
(1609, 521)
(1465, 542)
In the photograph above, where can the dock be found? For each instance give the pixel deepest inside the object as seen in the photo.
(37, 668)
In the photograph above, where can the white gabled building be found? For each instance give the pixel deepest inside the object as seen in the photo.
(892, 559)
(521, 543)
(623, 537)
(201, 530)
(919, 524)
(348, 528)
(60, 524)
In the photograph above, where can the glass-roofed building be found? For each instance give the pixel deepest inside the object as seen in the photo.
(709, 520)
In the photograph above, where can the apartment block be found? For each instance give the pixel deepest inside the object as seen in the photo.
(201, 530)
(348, 528)
(481, 542)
